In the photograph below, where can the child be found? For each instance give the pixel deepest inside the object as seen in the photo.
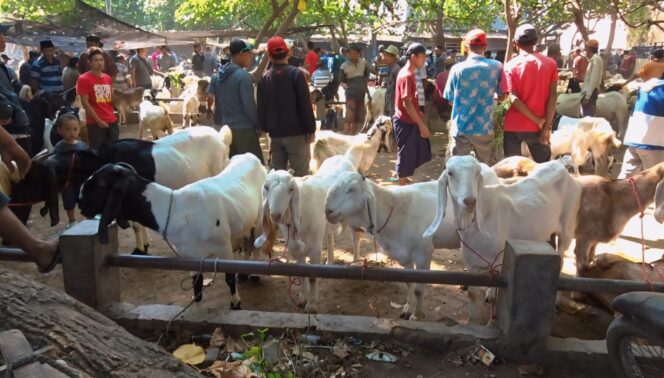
(68, 127)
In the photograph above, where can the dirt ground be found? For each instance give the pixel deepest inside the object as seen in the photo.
(442, 303)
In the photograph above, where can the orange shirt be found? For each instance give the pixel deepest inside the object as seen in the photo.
(652, 70)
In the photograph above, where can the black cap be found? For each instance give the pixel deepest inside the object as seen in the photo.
(93, 38)
(525, 33)
(415, 48)
(45, 44)
(657, 53)
(240, 45)
(356, 47)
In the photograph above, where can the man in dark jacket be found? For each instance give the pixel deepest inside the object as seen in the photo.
(285, 112)
(198, 60)
(232, 93)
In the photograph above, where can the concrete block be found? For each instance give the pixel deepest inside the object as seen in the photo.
(86, 278)
(526, 306)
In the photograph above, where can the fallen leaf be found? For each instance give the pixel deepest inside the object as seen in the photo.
(218, 339)
(233, 369)
(395, 305)
(233, 346)
(308, 356)
(340, 349)
(190, 354)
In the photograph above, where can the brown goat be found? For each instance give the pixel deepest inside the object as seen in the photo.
(124, 100)
(609, 266)
(514, 166)
(606, 207)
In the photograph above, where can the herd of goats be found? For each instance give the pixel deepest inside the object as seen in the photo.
(185, 187)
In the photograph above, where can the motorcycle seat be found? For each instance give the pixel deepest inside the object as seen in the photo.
(645, 306)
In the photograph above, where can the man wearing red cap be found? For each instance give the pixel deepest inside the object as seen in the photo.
(284, 111)
(470, 88)
(532, 80)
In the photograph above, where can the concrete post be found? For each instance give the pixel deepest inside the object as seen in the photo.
(526, 306)
(86, 277)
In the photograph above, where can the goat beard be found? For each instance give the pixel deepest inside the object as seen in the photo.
(465, 219)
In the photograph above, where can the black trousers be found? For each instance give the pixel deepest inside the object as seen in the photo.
(512, 145)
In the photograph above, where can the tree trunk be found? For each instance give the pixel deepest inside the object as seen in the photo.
(336, 46)
(577, 12)
(612, 36)
(276, 11)
(511, 19)
(439, 37)
(258, 72)
(86, 340)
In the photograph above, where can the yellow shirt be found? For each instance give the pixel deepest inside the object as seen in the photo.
(652, 70)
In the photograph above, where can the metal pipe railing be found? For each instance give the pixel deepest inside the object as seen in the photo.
(604, 285)
(346, 272)
(14, 254)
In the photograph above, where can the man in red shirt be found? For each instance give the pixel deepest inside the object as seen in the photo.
(531, 83)
(411, 133)
(96, 90)
(312, 58)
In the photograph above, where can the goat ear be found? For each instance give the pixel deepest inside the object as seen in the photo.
(659, 202)
(371, 210)
(112, 208)
(442, 203)
(479, 213)
(266, 223)
(51, 200)
(295, 215)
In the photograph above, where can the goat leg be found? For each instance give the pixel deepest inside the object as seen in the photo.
(232, 286)
(197, 283)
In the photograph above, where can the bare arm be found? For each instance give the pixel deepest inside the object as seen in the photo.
(91, 112)
(415, 116)
(551, 105)
(11, 151)
(521, 107)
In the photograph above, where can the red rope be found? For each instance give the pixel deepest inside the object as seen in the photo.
(646, 276)
(493, 269)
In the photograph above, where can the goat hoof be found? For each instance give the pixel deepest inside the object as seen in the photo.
(242, 278)
(138, 252)
(198, 298)
(254, 279)
(237, 306)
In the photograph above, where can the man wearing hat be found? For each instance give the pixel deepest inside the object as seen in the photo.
(390, 56)
(531, 82)
(470, 88)
(381, 67)
(411, 133)
(110, 68)
(231, 91)
(592, 80)
(285, 112)
(46, 71)
(353, 78)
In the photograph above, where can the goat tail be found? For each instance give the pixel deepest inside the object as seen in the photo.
(226, 135)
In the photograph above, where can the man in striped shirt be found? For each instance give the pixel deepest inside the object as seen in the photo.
(46, 71)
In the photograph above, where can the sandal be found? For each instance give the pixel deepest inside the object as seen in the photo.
(56, 260)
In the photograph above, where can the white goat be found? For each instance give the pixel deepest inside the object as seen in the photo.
(361, 149)
(396, 217)
(201, 220)
(611, 106)
(376, 108)
(297, 205)
(154, 117)
(535, 208)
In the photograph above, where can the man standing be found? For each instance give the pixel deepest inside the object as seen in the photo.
(46, 71)
(141, 69)
(593, 79)
(470, 88)
(411, 133)
(579, 67)
(198, 60)
(353, 78)
(8, 79)
(110, 67)
(628, 63)
(96, 91)
(312, 58)
(645, 137)
(284, 111)
(653, 69)
(390, 56)
(25, 69)
(166, 60)
(531, 83)
(335, 67)
(232, 94)
(438, 60)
